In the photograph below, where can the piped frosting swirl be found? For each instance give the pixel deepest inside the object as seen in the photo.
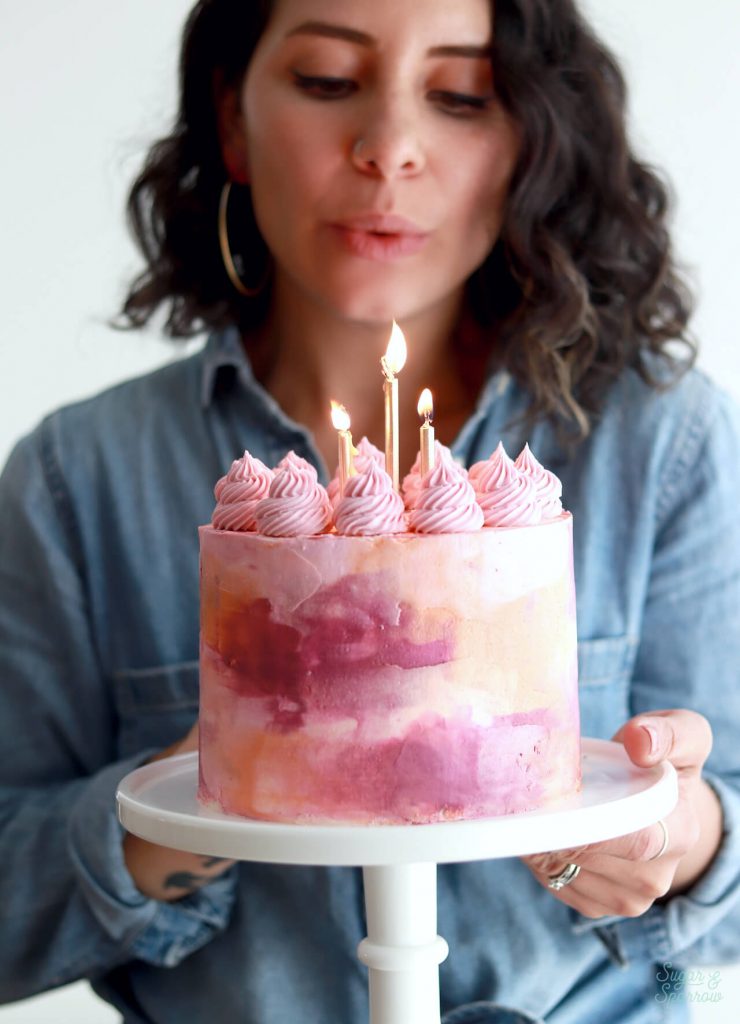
(548, 487)
(411, 483)
(370, 507)
(239, 492)
(365, 450)
(507, 497)
(297, 504)
(446, 500)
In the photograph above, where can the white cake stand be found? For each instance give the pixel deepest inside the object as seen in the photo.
(402, 950)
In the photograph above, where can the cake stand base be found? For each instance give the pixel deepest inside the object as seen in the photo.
(402, 950)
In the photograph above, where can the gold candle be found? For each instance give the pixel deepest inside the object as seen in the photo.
(425, 408)
(392, 363)
(341, 421)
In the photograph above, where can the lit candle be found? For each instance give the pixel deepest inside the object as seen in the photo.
(392, 363)
(426, 434)
(341, 422)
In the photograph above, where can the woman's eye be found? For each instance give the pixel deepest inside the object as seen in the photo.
(458, 102)
(324, 88)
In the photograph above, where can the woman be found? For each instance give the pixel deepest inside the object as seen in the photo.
(464, 170)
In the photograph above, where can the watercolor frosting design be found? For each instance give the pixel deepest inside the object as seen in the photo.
(391, 677)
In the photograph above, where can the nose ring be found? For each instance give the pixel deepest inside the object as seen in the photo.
(357, 148)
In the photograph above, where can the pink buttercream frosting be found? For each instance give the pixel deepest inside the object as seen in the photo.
(475, 470)
(446, 500)
(412, 481)
(549, 487)
(365, 450)
(297, 504)
(333, 490)
(370, 507)
(238, 494)
(507, 497)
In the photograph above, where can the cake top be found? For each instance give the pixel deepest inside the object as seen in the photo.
(296, 505)
(239, 492)
(507, 496)
(446, 501)
(365, 451)
(549, 488)
(290, 502)
(369, 507)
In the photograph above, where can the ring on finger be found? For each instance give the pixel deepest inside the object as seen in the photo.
(664, 847)
(569, 874)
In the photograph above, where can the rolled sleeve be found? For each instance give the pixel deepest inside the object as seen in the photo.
(689, 657)
(683, 930)
(70, 908)
(157, 932)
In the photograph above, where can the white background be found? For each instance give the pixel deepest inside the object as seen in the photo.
(84, 87)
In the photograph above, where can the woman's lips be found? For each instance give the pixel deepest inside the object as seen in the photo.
(380, 238)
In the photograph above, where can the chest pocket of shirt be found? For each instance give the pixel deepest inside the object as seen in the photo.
(155, 706)
(158, 706)
(604, 670)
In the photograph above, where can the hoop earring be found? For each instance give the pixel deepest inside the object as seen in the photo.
(226, 256)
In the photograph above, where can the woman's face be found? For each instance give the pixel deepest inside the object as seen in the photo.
(378, 154)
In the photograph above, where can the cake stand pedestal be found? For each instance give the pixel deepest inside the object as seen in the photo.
(402, 950)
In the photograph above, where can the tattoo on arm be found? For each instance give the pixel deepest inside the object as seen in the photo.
(185, 880)
(189, 880)
(211, 862)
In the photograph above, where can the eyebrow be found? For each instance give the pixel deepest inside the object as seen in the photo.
(353, 35)
(478, 52)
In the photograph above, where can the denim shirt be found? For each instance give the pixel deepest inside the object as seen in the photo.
(98, 668)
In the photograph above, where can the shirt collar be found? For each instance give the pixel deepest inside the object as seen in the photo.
(224, 349)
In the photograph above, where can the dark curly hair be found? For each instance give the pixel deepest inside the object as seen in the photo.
(582, 282)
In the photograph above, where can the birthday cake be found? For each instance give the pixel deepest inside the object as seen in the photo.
(366, 659)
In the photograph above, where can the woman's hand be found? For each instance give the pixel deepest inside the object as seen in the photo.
(166, 874)
(625, 876)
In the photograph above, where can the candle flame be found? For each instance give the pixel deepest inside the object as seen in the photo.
(339, 416)
(425, 407)
(394, 359)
